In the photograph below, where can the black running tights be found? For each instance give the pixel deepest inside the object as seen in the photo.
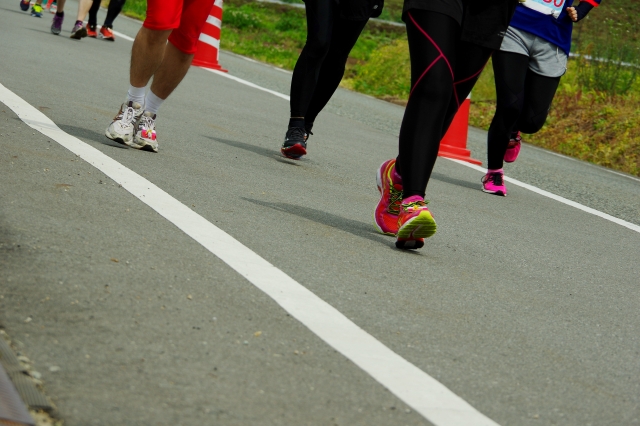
(523, 102)
(444, 69)
(115, 6)
(321, 64)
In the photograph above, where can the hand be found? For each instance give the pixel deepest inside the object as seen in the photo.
(578, 13)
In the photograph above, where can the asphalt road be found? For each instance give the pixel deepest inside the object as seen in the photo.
(524, 307)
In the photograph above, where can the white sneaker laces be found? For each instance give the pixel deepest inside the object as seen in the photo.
(146, 122)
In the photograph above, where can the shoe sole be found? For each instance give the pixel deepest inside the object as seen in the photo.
(421, 226)
(500, 193)
(117, 138)
(379, 184)
(143, 145)
(81, 33)
(294, 152)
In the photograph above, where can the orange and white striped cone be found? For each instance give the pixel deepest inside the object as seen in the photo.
(209, 41)
(454, 142)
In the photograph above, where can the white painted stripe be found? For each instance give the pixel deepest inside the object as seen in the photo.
(123, 36)
(214, 21)
(248, 83)
(416, 388)
(218, 3)
(563, 200)
(209, 40)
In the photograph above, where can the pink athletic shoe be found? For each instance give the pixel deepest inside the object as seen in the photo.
(386, 213)
(493, 183)
(415, 223)
(513, 149)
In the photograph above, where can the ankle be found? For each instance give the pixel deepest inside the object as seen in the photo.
(296, 122)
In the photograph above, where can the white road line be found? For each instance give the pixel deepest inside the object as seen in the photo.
(248, 83)
(123, 36)
(416, 388)
(563, 200)
(579, 161)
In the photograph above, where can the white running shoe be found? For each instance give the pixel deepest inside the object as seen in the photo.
(145, 137)
(123, 129)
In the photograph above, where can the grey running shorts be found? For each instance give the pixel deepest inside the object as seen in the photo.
(545, 58)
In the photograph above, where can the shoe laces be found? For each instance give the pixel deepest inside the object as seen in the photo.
(297, 132)
(415, 205)
(146, 122)
(496, 178)
(395, 200)
(126, 116)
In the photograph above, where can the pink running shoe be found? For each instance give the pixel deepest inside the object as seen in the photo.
(513, 148)
(493, 183)
(386, 213)
(415, 223)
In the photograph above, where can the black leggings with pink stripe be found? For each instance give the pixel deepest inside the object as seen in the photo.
(444, 69)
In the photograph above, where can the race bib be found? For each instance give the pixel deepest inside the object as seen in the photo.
(547, 7)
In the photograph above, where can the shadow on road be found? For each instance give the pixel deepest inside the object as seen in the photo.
(359, 229)
(265, 152)
(457, 182)
(92, 135)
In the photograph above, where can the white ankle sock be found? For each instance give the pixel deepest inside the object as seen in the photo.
(152, 103)
(136, 94)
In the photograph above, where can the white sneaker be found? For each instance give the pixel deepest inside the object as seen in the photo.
(145, 137)
(122, 129)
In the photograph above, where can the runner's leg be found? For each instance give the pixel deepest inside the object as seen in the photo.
(115, 7)
(510, 73)
(470, 61)
(432, 45)
(345, 35)
(538, 96)
(93, 13)
(58, 18)
(320, 16)
(79, 31)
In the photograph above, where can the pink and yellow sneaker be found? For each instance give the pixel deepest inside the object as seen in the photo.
(513, 148)
(386, 213)
(493, 183)
(415, 223)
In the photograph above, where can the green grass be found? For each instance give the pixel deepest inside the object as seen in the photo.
(585, 122)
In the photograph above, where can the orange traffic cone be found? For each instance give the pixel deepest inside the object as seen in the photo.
(209, 41)
(454, 143)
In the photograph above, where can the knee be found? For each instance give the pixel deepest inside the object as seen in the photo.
(318, 46)
(532, 124)
(428, 89)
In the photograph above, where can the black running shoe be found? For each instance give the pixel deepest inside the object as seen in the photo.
(295, 143)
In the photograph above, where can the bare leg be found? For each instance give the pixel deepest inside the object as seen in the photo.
(146, 55)
(60, 5)
(172, 70)
(83, 9)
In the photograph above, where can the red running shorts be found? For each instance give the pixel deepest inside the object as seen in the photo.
(185, 17)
